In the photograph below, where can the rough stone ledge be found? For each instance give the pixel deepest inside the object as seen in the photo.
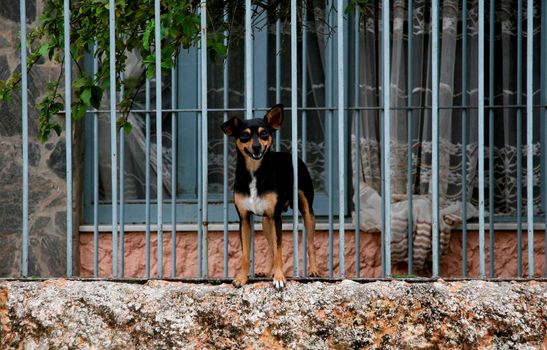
(346, 315)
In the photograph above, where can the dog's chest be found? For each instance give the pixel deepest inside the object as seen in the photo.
(253, 202)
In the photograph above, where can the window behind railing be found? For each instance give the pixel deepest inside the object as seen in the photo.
(464, 115)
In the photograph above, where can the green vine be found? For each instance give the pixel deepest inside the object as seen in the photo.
(135, 25)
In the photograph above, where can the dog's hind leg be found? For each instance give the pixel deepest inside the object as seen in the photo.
(309, 222)
(245, 238)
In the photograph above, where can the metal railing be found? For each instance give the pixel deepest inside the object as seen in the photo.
(340, 111)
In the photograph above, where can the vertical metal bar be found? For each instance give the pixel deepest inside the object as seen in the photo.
(248, 62)
(357, 117)
(95, 175)
(530, 133)
(174, 135)
(24, 115)
(481, 140)
(491, 140)
(24, 131)
(199, 175)
(159, 135)
(113, 136)
(464, 137)
(249, 96)
(382, 159)
(341, 138)
(278, 76)
(294, 133)
(519, 138)
(435, 136)
(68, 133)
(147, 179)
(122, 188)
(204, 138)
(304, 120)
(543, 112)
(386, 133)
(329, 115)
(225, 154)
(410, 192)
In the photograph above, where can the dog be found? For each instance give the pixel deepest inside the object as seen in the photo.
(264, 187)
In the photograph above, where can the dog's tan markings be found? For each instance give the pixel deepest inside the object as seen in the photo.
(309, 222)
(245, 236)
(267, 228)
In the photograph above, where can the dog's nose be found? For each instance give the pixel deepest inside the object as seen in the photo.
(257, 149)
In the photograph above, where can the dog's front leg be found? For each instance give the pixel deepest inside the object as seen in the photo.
(245, 238)
(279, 280)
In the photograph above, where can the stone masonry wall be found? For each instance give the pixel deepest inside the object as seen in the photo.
(47, 175)
(61, 314)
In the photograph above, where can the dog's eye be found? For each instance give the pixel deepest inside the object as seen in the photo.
(245, 137)
(264, 135)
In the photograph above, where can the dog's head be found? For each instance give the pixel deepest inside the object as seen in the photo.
(254, 136)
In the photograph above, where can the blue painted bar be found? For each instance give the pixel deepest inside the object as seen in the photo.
(249, 98)
(341, 136)
(95, 176)
(24, 131)
(329, 115)
(543, 113)
(386, 154)
(491, 140)
(409, 180)
(204, 140)
(530, 133)
(199, 175)
(304, 121)
(278, 76)
(113, 136)
(159, 134)
(357, 117)
(519, 138)
(68, 133)
(122, 203)
(147, 179)
(174, 129)
(464, 138)
(294, 133)
(435, 137)
(481, 140)
(122, 187)
(225, 154)
(248, 62)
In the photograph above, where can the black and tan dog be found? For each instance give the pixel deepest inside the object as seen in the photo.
(264, 186)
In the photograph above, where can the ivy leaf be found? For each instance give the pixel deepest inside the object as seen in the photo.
(146, 35)
(44, 50)
(85, 96)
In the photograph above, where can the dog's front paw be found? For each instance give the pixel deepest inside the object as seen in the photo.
(279, 281)
(240, 280)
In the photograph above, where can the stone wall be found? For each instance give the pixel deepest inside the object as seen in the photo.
(47, 175)
(381, 315)
(451, 261)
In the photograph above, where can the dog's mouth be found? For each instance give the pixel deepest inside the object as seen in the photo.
(256, 156)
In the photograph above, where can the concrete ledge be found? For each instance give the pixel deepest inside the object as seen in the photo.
(344, 315)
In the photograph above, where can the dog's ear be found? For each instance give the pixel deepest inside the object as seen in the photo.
(274, 117)
(231, 127)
